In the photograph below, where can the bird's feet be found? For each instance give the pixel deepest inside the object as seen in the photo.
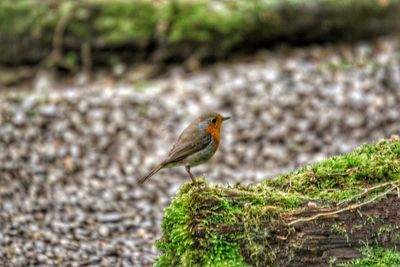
(200, 184)
(194, 181)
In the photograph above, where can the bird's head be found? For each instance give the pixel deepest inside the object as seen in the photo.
(213, 124)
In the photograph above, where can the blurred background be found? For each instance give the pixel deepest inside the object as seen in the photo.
(93, 93)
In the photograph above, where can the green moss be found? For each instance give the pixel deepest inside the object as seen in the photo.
(386, 232)
(18, 17)
(338, 177)
(332, 261)
(222, 253)
(340, 230)
(376, 257)
(125, 20)
(178, 233)
(371, 219)
(178, 245)
(219, 226)
(199, 22)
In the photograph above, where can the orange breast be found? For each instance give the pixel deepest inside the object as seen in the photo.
(215, 131)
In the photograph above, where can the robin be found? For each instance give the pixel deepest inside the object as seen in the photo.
(195, 146)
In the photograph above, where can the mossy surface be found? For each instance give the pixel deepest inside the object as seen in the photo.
(376, 257)
(232, 226)
(339, 177)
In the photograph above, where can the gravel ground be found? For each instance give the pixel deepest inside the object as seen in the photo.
(70, 156)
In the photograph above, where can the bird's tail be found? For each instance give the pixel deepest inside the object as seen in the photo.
(151, 173)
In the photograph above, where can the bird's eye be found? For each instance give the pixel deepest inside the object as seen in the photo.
(214, 120)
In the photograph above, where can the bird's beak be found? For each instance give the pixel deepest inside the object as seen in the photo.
(225, 118)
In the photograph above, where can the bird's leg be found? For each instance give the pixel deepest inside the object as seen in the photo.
(187, 167)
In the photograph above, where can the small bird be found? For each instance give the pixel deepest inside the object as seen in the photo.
(195, 146)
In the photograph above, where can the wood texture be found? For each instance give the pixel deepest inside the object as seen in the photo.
(330, 240)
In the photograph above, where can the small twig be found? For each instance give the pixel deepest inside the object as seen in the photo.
(351, 207)
(56, 55)
(332, 175)
(366, 191)
(58, 37)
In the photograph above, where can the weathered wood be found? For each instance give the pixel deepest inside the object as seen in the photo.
(343, 208)
(330, 240)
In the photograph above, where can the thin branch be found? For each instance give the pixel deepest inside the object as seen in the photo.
(351, 207)
(366, 191)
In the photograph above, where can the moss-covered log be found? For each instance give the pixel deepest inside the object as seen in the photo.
(324, 214)
(176, 30)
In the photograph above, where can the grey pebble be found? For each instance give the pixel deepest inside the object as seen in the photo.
(49, 110)
(104, 230)
(19, 119)
(108, 218)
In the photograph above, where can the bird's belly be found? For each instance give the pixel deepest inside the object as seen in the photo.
(201, 156)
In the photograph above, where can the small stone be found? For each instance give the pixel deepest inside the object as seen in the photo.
(142, 232)
(64, 242)
(42, 258)
(104, 231)
(312, 205)
(49, 110)
(69, 165)
(394, 138)
(29, 103)
(19, 119)
(109, 218)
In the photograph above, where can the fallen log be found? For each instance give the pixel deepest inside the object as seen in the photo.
(165, 31)
(327, 213)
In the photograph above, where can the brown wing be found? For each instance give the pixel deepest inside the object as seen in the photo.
(188, 143)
